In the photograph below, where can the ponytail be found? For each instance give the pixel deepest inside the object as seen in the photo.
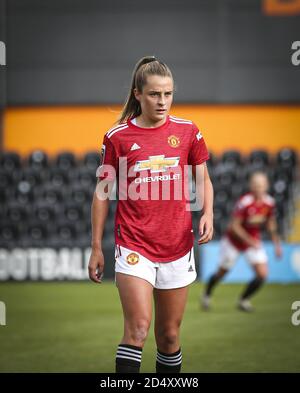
(147, 65)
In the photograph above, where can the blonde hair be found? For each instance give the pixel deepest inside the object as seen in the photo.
(147, 65)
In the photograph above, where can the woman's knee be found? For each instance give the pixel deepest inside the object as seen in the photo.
(138, 330)
(261, 272)
(169, 336)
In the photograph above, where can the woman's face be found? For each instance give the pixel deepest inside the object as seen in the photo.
(156, 97)
(259, 185)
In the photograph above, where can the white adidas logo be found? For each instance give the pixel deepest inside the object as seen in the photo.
(135, 146)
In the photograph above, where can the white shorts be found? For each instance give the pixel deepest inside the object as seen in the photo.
(229, 254)
(162, 275)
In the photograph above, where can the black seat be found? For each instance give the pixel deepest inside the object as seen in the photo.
(6, 179)
(37, 232)
(232, 157)
(287, 158)
(281, 173)
(91, 160)
(58, 177)
(259, 159)
(52, 195)
(44, 212)
(32, 176)
(66, 231)
(221, 197)
(73, 211)
(38, 160)
(80, 194)
(281, 187)
(10, 161)
(65, 161)
(9, 233)
(226, 180)
(16, 212)
(213, 160)
(24, 192)
(238, 189)
(86, 178)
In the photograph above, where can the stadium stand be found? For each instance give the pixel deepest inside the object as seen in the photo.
(45, 202)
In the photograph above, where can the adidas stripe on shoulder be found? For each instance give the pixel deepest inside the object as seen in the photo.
(179, 120)
(116, 129)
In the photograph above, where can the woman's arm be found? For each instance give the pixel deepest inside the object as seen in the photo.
(272, 229)
(205, 193)
(99, 211)
(237, 228)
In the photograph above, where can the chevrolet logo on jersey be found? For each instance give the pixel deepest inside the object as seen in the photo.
(156, 164)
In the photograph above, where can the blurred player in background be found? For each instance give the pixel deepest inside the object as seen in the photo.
(153, 236)
(252, 212)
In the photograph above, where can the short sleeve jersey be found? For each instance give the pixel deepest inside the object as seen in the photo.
(150, 167)
(254, 215)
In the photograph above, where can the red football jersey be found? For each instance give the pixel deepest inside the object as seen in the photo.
(254, 215)
(152, 216)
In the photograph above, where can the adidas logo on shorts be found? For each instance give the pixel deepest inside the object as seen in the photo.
(191, 269)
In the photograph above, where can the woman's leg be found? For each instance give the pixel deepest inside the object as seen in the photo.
(169, 310)
(136, 299)
(261, 272)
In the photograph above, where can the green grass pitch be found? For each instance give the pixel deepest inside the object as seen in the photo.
(76, 327)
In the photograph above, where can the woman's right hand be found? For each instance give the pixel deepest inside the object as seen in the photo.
(96, 265)
(255, 243)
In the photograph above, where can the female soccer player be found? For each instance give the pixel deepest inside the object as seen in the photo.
(147, 153)
(252, 211)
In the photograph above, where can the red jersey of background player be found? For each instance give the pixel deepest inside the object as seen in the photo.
(158, 228)
(254, 215)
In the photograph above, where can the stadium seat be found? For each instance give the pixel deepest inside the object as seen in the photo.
(38, 160)
(213, 160)
(44, 212)
(80, 194)
(23, 192)
(16, 212)
(52, 195)
(91, 160)
(65, 161)
(287, 158)
(232, 157)
(10, 161)
(58, 177)
(33, 176)
(86, 178)
(73, 211)
(9, 234)
(221, 197)
(6, 178)
(259, 159)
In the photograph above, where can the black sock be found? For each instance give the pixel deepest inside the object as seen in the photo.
(168, 363)
(252, 287)
(211, 283)
(128, 358)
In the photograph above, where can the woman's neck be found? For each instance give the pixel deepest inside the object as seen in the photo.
(144, 122)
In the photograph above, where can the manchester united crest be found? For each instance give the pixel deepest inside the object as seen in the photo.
(132, 258)
(173, 141)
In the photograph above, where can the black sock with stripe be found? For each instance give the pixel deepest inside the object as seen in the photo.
(168, 363)
(128, 358)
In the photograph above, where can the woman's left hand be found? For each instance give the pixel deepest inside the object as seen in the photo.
(206, 228)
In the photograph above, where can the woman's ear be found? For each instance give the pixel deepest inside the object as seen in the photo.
(136, 94)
